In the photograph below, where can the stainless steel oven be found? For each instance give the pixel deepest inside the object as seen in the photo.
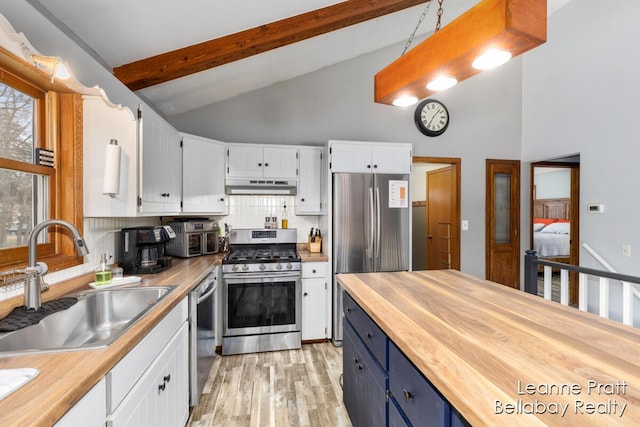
(261, 292)
(194, 237)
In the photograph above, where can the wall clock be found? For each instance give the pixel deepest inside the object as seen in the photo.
(431, 117)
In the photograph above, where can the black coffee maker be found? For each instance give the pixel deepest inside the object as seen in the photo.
(142, 249)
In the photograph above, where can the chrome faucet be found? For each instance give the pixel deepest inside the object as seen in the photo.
(32, 287)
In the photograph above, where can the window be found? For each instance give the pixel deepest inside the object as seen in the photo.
(36, 114)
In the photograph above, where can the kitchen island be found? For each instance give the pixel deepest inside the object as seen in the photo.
(498, 356)
(65, 377)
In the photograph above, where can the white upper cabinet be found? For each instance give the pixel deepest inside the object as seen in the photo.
(370, 157)
(309, 194)
(260, 161)
(203, 175)
(102, 122)
(160, 166)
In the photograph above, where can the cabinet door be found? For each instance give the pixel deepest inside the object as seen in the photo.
(90, 411)
(202, 175)
(161, 396)
(280, 162)
(350, 157)
(101, 123)
(309, 182)
(365, 396)
(314, 316)
(391, 158)
(244, 161)
(160, 165)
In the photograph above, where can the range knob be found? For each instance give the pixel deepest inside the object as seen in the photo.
(289, 266)
(235, 267)
(245, 267)
(279, 267)
(263, 267)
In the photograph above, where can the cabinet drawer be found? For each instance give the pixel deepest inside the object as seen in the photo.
(367, 330)
(415, 396)
(314, 269)
(365, 384)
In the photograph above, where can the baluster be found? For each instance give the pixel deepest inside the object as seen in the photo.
(548, 272)
(604, 297)
(564, 287)
(627, 304)
(582, 292)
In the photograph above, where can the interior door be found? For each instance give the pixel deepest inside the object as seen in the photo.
(440, 218)
(502, 252)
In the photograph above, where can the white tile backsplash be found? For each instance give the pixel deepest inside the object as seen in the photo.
(250, 212)
(100, 234)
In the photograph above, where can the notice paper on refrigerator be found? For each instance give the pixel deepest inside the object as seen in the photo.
(398, 194)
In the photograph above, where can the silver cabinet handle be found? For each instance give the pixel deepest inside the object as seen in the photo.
(407, 395)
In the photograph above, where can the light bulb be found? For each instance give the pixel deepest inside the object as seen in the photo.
(405, 100)
(492, 58)
(441, 82)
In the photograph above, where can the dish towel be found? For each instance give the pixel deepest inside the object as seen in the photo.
(13, 379)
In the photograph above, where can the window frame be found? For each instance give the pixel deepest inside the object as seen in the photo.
(59, 128)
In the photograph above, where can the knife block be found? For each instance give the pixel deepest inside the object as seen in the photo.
(315, 246)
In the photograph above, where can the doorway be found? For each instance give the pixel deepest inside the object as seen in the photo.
(555, 201)
(435, 183)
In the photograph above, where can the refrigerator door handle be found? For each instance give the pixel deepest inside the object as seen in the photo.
(371, 224)
(378, 221)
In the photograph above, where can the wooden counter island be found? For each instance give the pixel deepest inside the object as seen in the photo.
(491, 355)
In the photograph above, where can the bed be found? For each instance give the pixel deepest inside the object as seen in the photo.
(551, 228)
(551, 240)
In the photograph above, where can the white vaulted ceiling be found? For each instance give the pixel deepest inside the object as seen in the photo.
(119, 32)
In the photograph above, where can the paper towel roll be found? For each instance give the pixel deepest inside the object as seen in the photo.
(111, 183)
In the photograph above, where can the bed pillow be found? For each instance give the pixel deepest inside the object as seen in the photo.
(545, 221)
(538, 226)
(557, 228)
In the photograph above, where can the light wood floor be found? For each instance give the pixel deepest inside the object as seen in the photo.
(280, 388)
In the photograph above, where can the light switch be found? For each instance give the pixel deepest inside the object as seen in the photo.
(626, 250)
(465, 224)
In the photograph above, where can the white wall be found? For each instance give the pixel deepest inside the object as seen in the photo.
(337, 103)
(552, 184)
(580, 95)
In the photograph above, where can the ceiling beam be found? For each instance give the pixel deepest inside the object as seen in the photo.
(203, 56)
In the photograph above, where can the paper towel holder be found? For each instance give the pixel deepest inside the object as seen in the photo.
(111, 182)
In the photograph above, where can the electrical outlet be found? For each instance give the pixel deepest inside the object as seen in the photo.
(626, 250)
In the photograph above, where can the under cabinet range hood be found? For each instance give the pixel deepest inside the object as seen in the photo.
(261, 186)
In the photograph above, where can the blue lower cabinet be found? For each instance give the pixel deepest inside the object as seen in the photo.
(396, 419)
(417, 399)
(364, 383)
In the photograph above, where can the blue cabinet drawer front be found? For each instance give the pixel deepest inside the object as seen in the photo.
(396, 419)
(366, 328)
(365, 398)
(421, 404)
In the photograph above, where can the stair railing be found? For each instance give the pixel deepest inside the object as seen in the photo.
(604, 277)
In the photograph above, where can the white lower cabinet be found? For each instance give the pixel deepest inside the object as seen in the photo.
(150, 385)
(314, 300)
(161, 396)
(90, 411)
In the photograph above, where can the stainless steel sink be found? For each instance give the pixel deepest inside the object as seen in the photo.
(95, 321)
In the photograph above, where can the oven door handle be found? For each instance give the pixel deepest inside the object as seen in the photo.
(248, 276)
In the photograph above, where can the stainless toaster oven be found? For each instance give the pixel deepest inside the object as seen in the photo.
(194, 237)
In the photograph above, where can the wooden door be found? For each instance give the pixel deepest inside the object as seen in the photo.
(502, 251)
(440, 218)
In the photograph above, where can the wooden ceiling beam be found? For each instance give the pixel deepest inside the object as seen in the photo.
(203, 56)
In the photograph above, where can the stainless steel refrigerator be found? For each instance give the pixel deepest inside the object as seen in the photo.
(371, 229)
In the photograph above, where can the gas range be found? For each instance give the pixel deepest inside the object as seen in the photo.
(262, 250)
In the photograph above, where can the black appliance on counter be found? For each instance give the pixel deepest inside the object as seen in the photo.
(142, 249)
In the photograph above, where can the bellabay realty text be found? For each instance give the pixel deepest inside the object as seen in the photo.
(558, 398)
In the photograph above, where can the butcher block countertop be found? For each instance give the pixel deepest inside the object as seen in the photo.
(502, 357)
(66, 376)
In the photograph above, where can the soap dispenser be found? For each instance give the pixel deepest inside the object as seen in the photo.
(103, 272)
